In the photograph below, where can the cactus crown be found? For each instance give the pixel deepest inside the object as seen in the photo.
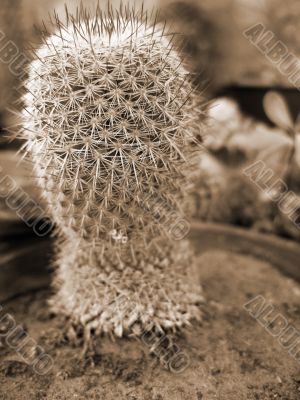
(110, 121)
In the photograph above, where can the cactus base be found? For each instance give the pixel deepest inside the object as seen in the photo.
(160, 292)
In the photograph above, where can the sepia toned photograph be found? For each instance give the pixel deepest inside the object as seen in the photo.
(149, 200)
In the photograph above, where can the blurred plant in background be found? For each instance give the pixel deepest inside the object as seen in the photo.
(236, 141)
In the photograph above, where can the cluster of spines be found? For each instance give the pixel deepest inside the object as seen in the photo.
(160, 291)
(108, 104)
(111, 122)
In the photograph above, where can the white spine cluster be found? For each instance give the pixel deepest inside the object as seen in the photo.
(110, 122)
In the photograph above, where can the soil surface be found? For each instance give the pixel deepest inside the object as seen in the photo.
(232, 356)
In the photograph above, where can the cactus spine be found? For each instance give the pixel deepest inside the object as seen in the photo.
(110, 124)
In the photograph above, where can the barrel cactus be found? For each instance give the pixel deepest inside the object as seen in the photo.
(111, 124)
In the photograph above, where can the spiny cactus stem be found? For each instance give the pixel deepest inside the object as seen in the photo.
(111, 119)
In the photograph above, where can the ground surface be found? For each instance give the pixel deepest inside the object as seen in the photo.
(232, 356)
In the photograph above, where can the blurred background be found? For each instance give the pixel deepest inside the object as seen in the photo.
(254, 105)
